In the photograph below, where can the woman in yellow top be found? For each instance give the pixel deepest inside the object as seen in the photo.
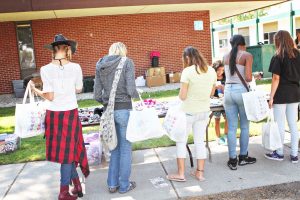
(197, 83)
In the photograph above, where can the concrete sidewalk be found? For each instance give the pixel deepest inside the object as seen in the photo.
(40, 180)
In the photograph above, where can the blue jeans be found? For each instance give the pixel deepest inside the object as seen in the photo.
(67, 172)
(235, 111)
(289, 112)
(121, 157)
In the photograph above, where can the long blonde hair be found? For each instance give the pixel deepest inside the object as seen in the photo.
(118, 48)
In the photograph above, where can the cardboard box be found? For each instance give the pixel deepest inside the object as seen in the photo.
(156, 71)
(173, 78)
(177, 77)
(153, 81)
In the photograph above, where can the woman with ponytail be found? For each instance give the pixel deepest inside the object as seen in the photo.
(238, 71)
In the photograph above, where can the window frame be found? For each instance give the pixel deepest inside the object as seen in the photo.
(17, 25)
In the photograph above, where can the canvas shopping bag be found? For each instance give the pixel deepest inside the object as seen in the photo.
(256, 105)
(255, 102)
(30, 117)
(143, 124)
(271, 139)
(175, 123)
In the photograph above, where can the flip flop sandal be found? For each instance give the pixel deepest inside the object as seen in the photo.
(132, 185)
(193, 174)
(176, 179)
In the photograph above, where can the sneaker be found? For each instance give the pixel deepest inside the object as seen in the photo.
(221, 141)
(132, 185)
(294, 159)
(232, 163)
(245, 160)
(225, 140)
(113, 189)
(274, 156)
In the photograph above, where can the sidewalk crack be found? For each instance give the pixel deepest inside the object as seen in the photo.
(10, 186)
(165, 170)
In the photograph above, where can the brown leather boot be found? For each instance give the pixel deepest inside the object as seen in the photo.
(64, 194)
(77, 190)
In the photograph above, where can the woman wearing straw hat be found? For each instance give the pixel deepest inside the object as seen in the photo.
(62, 79)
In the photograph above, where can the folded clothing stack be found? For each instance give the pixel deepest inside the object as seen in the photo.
(9, 143)
(160, 107)
(90, 115)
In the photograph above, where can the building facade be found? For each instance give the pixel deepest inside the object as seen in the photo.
(144, 26)
(22, 50)
(285, 16)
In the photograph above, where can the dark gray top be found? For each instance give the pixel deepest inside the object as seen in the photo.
(105, 73)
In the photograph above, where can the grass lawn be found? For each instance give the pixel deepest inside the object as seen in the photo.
(33, 149)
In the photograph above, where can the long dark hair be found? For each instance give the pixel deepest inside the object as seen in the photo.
(217, 64)
(284, 45)
(235, 41)
(194, 58)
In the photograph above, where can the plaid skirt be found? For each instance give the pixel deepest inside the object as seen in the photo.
(64, 140)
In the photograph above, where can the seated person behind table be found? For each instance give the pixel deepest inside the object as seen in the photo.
(219, 92)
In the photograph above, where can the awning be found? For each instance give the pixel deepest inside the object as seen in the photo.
(23, 10)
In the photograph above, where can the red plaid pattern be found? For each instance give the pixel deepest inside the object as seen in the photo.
(64, 140)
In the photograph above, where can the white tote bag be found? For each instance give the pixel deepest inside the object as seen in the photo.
(30, 117)
(271, 139)
(175, 123)
(143, 124)
(256, 105)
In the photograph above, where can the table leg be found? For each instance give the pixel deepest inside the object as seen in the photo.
(207, 144)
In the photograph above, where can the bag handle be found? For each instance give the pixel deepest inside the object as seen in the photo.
(242, 79)
(112, 95)
(141, 102)
(271, 116)
(28, 92)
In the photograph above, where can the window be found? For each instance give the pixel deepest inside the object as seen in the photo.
(269, 31)
(247, 40)
(269, 38)
(25, 48)
(245, 33)
(223, 43)
(223, 39)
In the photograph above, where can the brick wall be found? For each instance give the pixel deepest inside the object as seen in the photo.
(168, 33)
(9, 57)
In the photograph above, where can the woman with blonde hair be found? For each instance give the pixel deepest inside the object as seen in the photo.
(121, 158)
(62, 79)
(197, 82)
(285, 91)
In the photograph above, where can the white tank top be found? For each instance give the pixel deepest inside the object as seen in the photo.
(234, 78)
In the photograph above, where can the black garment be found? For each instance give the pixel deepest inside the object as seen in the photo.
(288, 69)
(223, 80)
(297, 43)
